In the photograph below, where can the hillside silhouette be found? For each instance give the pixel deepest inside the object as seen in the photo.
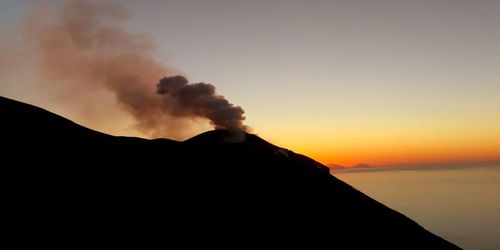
(72, 186)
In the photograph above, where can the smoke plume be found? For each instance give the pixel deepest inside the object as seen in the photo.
(200, 99)
(83, 50)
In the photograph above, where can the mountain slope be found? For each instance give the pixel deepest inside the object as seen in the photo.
(69, 183)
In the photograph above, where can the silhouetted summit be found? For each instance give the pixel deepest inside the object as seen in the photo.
(67, 185)
(220, 136)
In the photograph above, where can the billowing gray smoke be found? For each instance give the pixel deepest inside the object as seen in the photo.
(83, 53)
(200, 99)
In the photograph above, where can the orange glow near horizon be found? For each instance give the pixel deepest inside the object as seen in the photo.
(392, 146)
(413, 156)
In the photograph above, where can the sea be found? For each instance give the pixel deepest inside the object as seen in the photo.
(460, 203)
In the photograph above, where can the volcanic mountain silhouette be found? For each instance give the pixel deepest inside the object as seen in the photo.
(71, 186)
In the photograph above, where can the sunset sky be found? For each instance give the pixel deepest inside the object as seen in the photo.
(383, 82)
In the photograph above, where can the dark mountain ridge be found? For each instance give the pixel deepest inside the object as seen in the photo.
(68, 185)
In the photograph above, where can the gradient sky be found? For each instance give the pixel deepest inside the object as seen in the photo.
(384, 82)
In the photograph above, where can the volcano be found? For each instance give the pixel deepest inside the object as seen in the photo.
(67, 185)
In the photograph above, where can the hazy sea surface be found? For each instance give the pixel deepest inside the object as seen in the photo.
(460, 203)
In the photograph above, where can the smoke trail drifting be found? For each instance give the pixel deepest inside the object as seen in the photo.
(85, 48)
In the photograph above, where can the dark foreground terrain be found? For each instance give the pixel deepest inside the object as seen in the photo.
(66, 185)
